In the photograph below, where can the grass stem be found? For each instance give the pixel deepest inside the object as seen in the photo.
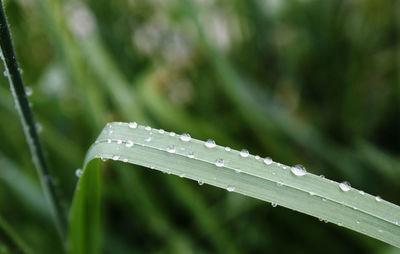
(13, 73)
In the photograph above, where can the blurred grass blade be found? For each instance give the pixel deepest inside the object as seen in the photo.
(11, 240)
(84, 234)
(248, 175)
(12, 71)
(23, 187)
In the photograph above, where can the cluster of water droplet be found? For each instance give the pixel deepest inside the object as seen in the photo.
(297, 170)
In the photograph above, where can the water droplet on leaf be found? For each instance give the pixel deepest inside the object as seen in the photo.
(298, 170)
(344, 186)
(28, 91)
(78, 172)
(185, 137)
(210, 143)
(219, 163)
(129, 143)
(171, 149)
(132, 125)
(268, 160)
(244, 153)
(230, 188)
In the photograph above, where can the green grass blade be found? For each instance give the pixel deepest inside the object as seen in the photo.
(250, 176)
(23, 187)
(11, 240)
(17, 87)
(84, 232)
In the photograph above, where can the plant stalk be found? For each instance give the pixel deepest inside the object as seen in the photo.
(12, 71)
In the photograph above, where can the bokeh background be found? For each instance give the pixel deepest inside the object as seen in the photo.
(308, 82)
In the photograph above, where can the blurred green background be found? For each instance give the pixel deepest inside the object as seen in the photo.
(308, 82)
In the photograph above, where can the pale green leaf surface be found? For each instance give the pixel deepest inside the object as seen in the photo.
(309, 194)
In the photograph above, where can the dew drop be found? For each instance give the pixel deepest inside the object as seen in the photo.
(132, 125)
(200, 182)
(219, 163)
(378, 199)
(361, 192)
(161, 131)
(148, 139)
(129, 143)
(28, 91)
(298, 170)
(119, 141)
(280, 183)
(322, 176)
(210, 143)
(108, 140)
(311, 193)
(268, 160)
(244, 153)
(171, 149)
(185, 137)
(78, 172)
(181, 175)
(358, 222)
(125, 160)
(257, 157)
(115, 157)
(345, 186)
(147, 128)
(230, 188)
(103, 159)
(396, 222)
(227, 148)
(274, 204)
(323, 199)
(190, 154)
(172, 134)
